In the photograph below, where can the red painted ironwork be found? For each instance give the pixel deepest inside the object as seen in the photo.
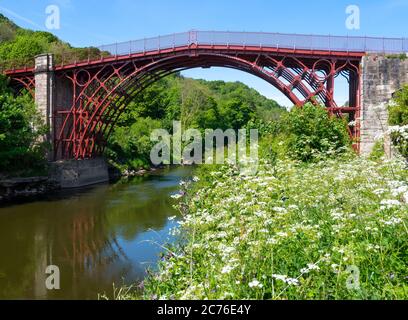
(101, 89)
(23, 81)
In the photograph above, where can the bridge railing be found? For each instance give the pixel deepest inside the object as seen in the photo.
(263, 39)
(16, 63)
(254, 39)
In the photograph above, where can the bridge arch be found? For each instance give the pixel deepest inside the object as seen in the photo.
(101, 93)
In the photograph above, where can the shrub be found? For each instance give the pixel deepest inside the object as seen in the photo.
(398, 119)
(378, 151)
(312, 134)
(20, 130)
(129, 147)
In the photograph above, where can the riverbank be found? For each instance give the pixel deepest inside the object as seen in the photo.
(116, 174)
(64, 175)
(16, 188)
(332, 230)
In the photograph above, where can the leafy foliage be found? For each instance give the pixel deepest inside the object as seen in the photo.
(196, 103)
(19, 46)
(398, 119)
(313, 134)
(129, 147)
(7, 29)
(20, 131)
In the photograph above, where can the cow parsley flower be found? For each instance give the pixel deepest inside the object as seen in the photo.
(286, 279)
(255, 284)
(389, 204)
(227, 269)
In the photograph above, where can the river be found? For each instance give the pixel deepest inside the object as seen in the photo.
(98, 236)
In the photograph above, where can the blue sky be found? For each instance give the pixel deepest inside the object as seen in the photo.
(93, 22)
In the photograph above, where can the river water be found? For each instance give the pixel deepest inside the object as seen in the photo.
(99, 236)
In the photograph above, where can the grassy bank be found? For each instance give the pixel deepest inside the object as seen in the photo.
(332, 230)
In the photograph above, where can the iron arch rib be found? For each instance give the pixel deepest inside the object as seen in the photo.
(104, 92)
(102, 89)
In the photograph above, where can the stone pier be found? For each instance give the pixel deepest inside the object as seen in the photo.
(79, 173)
(52, 94)
(45, 93)
(382, 77)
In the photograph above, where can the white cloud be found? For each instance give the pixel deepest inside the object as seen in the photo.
(19, 17)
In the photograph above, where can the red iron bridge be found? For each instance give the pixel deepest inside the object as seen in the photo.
(82, 98)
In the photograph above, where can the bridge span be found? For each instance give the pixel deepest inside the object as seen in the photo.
(81, 99)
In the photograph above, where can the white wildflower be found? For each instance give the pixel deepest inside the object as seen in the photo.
(392, 222)
(379, 192)
(280, 277)
(313, 266)
(388, 204)
(255, 284)
(227, 269)
(292, 281)
(286, 279)
(282, 234)
(310, 267)
(279, 209)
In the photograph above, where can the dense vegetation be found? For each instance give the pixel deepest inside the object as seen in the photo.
(19, 46)
(398, 119)
(197, 104)
(328, 229)
(21, 150)
(306, 134)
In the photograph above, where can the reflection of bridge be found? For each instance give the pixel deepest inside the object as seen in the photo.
(81, 100)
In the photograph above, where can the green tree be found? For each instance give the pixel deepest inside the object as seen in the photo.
(7, 29)
(18, 46)
(129, 147)
(20, 131)
(236, 113)
(196, 103)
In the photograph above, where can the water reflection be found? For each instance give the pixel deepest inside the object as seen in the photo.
(99, 236)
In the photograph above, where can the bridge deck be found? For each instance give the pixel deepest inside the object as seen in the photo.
(326, 45)
(263, 39)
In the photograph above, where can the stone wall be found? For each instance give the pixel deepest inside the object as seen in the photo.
(54, 94)
(79, 173)
(44, 91)
(382, 77)
(17, 188)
